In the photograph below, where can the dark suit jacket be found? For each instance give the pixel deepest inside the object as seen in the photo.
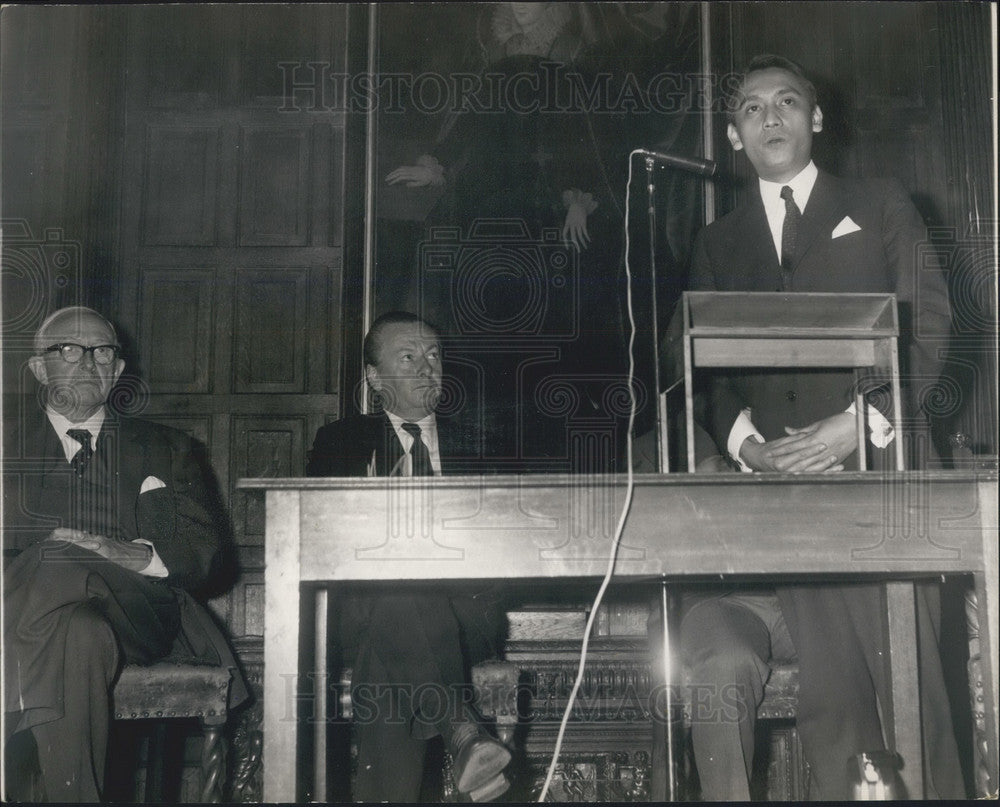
(44, 580)
(182, 519)
(736, 253)
(348, 447)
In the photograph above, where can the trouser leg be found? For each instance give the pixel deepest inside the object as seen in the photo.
(73, 749)
(409, 665)
(944, 772)
(726, 648)
(416, 639)
(837, 715)
(22, 777)
(390, 758)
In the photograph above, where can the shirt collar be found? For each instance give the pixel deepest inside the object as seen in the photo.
(427, 424)
(62, 424)
(801, 185)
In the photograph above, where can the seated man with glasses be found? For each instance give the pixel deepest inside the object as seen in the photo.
(110, 525)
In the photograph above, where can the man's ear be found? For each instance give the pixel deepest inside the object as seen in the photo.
(37, 365)
(371, 376)
(817, 119)
(734, 137)
(119, 367)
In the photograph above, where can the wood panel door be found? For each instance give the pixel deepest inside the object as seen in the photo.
(232, 245)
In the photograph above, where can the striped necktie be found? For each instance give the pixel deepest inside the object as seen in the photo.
(420, 458)
(81, 457)
(789, 234)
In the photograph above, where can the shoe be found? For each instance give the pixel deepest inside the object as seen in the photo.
(497, 786)
(478, 760)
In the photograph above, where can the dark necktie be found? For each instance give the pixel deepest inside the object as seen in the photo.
(420, 458)
(789, 233)
(81, 457)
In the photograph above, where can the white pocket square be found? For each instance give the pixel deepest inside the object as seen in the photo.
(846, 226)
(151, 483)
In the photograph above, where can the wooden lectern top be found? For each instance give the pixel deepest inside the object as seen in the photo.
(795, 330)
(778, 314)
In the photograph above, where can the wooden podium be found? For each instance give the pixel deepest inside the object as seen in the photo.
(799, 330)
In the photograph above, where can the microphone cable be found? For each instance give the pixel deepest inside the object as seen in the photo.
(626, 506)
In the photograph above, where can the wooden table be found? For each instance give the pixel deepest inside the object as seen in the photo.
(895, 526)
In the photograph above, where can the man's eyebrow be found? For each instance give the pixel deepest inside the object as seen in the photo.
(414, 346)
(780, 91)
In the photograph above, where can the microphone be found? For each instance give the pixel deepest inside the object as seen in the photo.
(695, 165)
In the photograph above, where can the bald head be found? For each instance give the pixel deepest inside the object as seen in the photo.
(76, 385)
(66, 324)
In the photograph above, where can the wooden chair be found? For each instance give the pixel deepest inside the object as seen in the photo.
(168, 691)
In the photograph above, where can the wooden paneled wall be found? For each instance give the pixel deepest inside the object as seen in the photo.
(232, 243)
(59, 105)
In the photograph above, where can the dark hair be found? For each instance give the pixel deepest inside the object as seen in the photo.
(373, 338)
(766, 61)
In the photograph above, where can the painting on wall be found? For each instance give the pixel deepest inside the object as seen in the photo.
(501, 187)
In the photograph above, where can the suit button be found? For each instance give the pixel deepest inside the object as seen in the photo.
(790, 395)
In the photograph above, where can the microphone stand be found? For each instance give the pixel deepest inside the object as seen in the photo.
(664, 467)
(703, 168)
(661, 398)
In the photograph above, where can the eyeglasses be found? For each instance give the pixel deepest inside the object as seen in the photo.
(72, 353)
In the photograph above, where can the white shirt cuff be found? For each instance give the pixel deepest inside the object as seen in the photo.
(742, 429)
(156, 567)
(881, 431)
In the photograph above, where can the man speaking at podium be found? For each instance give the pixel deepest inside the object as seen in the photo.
(409, 658)
(803, 230)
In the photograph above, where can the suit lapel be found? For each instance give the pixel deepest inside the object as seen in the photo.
(386, 445)
(37, 442)
(447, 448)
(125, 451)
(827, 206)
(38, 497)
(44, 447)
(53, 454)
(758, 247)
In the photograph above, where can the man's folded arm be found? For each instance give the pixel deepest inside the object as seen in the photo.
(184, 520)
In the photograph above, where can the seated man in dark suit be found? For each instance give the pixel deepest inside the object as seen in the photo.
(109, 523)
(803, 230)
(410, 655)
